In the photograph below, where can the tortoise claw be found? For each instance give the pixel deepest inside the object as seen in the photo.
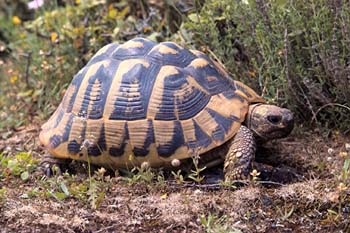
(50, 170)
(51, 166)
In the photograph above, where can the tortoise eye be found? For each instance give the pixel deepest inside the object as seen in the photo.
(274, 119)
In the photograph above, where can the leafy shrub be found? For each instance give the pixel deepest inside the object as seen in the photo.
(45, 51)
(294, 53)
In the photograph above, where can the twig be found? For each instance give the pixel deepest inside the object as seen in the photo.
(29, 58)
(213, 186)
(327, 105)
(219, 63)
(261, 6)
(36, 32)
(286, 51)
(270, 182)
(104, 229)
(215, 57)
(289, 79)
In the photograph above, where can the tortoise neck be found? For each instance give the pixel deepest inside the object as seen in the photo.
(249, 121)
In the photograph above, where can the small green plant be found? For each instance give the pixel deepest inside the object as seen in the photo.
(143, 175)
(91, 190)
(214, 224)
(286, 213)
(345, 172)
(344, 183)
(228, 184)
(95, 193)
(178, 176)
(160, 179)
(195, 174)
(22, 164)
(55, 186)
(2, 196)
(97, 186)
(34, 192)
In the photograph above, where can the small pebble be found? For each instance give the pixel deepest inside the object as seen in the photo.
(175, 162)
(330, 151)
(101, 170)
(341, 187)
(347, 146)
(343, 154)
(346, 210)
(197, 191)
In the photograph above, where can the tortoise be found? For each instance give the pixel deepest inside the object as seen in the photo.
(157, 104)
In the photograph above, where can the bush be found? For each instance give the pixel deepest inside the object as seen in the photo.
(42, 53)
(294, 53)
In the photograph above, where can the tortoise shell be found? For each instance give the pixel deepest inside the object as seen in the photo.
(146, 102)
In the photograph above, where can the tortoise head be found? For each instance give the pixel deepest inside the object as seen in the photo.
(269, 121)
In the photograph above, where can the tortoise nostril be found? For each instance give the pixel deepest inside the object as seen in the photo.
(274, 119)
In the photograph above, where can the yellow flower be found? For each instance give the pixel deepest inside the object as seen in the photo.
(124, 12)
(54, 37)
(13, 79)
(77, 31)
(13, 108)
(22, 35)
(281, 52)
(101, 171)
(77, 2)
(252, 73)
(343, 154)
(341, 187)
(255, 173)
(147, 29)
(112, 13)
(16, 20)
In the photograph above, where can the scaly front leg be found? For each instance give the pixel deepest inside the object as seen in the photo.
(239, 158)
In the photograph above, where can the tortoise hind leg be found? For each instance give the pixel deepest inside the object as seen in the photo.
(51, 165)
(239, 158)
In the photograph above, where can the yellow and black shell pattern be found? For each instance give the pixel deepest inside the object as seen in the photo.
(143, 101)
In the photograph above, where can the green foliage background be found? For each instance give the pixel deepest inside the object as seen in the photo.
(294, 53)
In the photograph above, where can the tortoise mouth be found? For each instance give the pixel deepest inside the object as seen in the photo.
(280, 133)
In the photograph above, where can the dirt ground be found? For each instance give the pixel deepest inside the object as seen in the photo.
(309, 200)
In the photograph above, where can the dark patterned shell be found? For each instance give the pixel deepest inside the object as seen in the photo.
(143, 101)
